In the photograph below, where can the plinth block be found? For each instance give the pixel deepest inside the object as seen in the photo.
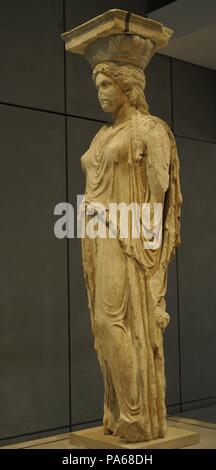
(94, 438)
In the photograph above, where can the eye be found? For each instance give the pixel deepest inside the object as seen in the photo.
(105, 84)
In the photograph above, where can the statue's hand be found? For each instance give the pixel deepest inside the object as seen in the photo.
(82, 208)
(162, 318)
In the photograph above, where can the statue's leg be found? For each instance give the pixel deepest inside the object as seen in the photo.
(112, 327)
(111, 409)
(158, 286)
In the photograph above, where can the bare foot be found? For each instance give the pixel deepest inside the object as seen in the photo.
(132, 432)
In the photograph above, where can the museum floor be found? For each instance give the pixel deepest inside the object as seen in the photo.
(202, 420)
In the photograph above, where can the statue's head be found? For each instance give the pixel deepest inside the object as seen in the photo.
(111, 96)
(118, 84)
(118, 45)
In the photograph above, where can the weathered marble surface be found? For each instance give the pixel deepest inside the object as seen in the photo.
(132, 160)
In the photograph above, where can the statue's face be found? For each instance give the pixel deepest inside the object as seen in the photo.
(110, 95)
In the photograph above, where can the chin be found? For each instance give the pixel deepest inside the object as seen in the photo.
(106, 109)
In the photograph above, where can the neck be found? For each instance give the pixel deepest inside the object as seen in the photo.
(123, 114)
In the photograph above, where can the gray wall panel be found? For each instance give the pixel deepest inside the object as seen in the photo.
(197, 258)
(33, 284)
(171, 340)
(158, 87)
(79, 11)
(194, 97)
(86, 382)
(32, 53)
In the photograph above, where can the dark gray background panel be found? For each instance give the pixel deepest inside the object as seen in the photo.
(171, 339)
(158, 87)
(32, 53)
(33, 284)
(197, 259)
(86, 381)
(207, 413)
(79, 11)
(198, 405)
(82, 97)
(155, 4)
(194, 98)
(81, 92)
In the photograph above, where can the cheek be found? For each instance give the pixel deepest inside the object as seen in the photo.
(119, 98)
(115, 96)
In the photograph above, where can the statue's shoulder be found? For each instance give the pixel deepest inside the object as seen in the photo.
(151, 124)
(100, 132)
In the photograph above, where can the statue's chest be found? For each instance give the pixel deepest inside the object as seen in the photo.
(106, 152)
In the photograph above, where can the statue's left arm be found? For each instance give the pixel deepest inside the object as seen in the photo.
(158, 153)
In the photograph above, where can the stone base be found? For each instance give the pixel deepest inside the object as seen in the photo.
(94, 438)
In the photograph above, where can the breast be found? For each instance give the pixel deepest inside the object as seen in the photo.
(101, 156)
(86, 160)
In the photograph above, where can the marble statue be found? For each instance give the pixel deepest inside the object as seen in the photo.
(132, 159)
